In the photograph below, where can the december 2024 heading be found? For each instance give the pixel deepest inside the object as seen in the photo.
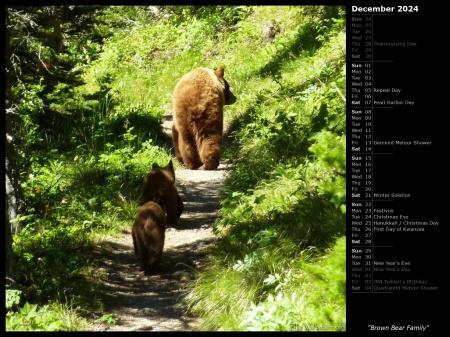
(383, 9)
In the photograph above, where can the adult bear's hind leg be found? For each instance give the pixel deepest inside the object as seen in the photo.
(210, 153)
(176, 145)
(189, 152)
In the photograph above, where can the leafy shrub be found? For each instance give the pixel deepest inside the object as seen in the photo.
(321, 308)
(53, 317)
(52, 259)
(330, 150)
(12, 298)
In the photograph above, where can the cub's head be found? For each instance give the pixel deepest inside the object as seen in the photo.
(159, 186)
(168, 171)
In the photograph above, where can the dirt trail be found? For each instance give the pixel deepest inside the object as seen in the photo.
(152, 303)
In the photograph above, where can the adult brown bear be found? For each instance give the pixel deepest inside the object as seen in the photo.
(162, 206)
(197, 129)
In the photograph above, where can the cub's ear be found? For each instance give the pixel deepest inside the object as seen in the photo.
(220, 71)
(170, 166)
(170, 171)
(155, 166)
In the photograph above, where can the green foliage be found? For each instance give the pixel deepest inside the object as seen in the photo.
(227, 15)
(107, 319)
(321, 308)
(331, 272)
(72, 203)
(278, 313)
(53, 317)
(53, 259)
(276, 207)
(90, 129)
(208, 294)
(330, 150)
(12, 298)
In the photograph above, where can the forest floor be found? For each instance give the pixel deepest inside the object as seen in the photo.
(154, 303)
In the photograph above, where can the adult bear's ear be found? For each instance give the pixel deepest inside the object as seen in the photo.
(155, 166)
(220, 71)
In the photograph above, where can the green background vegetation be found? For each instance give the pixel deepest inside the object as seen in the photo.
(88, 129)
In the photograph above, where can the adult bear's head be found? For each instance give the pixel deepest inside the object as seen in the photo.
(228, 95)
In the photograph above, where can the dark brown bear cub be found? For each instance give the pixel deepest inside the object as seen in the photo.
(197, 129)
(162, 206)
(159, 186)
(148, 236)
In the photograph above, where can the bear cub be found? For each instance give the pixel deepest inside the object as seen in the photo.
(148, 234)
(197, 130)
(162, 206)
(159, 186)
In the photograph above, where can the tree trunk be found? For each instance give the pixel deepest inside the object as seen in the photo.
(11, 271)
(13, 192)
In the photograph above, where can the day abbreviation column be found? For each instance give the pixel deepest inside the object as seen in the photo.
(361, 68)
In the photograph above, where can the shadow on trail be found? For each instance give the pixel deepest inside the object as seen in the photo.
(158, 297)
(201, 206)
(127, 288)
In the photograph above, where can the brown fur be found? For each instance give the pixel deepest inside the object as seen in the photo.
(148, 234)
(159, 186)
(161, 206)
(197, 129)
